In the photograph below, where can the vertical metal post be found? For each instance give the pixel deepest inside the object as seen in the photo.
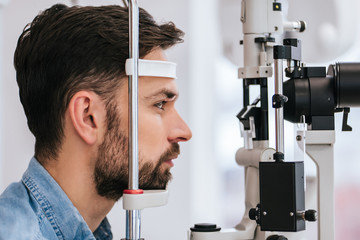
(133, 220)
(279, 112)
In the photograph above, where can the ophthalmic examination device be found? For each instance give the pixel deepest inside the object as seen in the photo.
(274, 185)
(275, 188)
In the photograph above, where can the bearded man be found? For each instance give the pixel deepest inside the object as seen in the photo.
(70, 65)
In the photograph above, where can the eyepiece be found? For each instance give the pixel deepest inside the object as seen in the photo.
(347, 84)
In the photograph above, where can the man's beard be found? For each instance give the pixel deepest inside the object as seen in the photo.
(111, 168)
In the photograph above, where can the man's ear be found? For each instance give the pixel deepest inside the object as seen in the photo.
(87, 111)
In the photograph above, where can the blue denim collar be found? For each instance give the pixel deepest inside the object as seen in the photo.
(63, 216)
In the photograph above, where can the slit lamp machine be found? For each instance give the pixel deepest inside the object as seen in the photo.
(274, 185)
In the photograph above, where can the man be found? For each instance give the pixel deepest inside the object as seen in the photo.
(70, 65)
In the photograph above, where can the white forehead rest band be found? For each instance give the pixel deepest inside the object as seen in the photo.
(152, 68)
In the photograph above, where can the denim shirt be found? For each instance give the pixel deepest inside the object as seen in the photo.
(37, 208)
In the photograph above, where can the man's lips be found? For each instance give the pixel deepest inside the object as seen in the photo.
(170, 161)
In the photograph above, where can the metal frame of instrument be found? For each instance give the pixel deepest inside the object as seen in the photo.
(133, 217)
(262, 19)
(310, 95)
(135, 199)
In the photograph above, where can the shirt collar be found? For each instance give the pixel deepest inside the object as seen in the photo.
(103, 232)
(57, 207)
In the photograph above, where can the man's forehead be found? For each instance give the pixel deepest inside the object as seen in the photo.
(152, 85)
(157, 86)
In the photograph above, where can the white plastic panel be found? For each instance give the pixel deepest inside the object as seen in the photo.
(152, 68)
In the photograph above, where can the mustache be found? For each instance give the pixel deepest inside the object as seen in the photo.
(172, 152)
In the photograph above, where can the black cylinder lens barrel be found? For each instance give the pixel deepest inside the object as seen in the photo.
(297, 91)
(347, 84)
(317, 97)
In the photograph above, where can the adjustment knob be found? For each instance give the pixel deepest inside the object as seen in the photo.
(205, 227)
(276, 237)
(311, 215)
(254, 214)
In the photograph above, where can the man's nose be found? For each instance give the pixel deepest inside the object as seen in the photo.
(180, 131)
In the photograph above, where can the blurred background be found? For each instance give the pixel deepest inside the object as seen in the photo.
(208, 186)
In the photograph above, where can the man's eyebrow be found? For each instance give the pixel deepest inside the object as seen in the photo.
(164, 93)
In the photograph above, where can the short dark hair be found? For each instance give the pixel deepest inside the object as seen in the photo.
(68, 49)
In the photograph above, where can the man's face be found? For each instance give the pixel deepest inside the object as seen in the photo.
(160, 130)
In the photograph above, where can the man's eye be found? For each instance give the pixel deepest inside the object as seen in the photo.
(160, 105)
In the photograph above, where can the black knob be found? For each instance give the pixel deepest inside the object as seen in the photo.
(311, 215)
(254, 214)
(276, 237)
(205, 227)
(302, 26)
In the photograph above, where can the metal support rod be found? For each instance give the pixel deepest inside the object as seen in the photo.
(133, 95)
(133, 220)
(279, 112)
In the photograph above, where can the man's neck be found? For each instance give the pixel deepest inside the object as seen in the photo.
(75, 177)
